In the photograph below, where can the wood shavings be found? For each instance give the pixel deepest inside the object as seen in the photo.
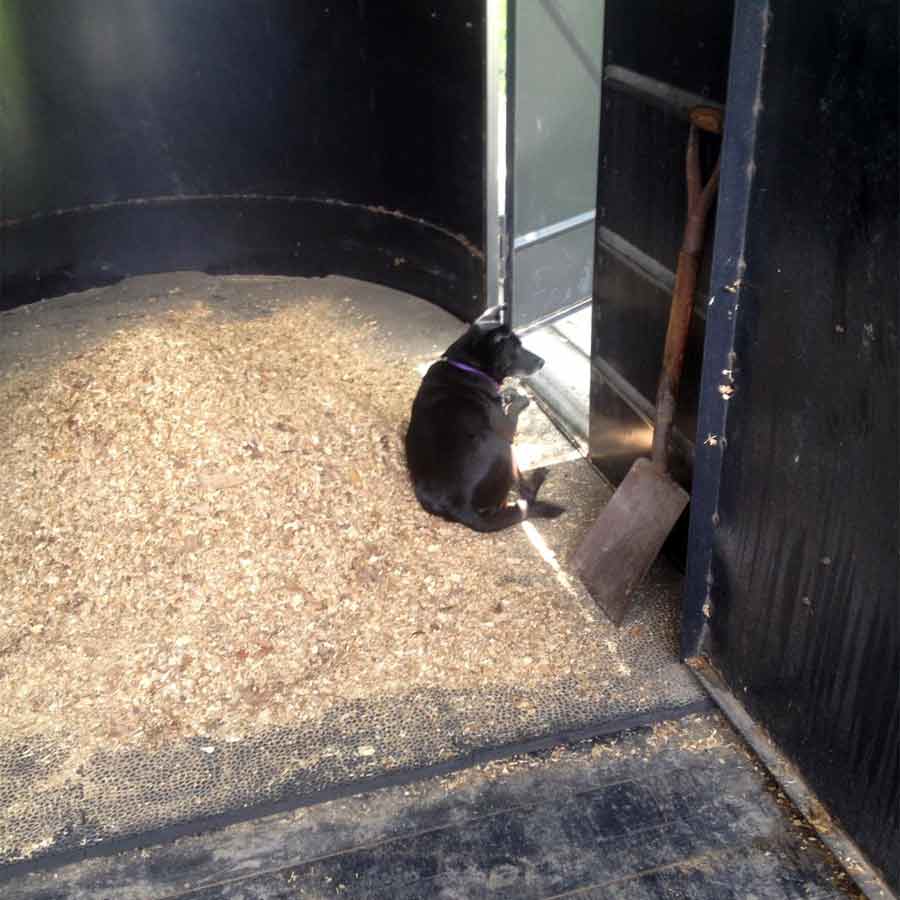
(206, 528)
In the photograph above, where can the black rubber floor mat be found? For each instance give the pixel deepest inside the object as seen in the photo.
(680, 810)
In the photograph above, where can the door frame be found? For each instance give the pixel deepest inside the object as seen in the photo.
(501, 243)
(496, 142)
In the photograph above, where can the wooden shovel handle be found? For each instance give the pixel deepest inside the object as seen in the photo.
(699, 201)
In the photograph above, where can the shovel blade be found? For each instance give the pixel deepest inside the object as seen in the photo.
(626, 538)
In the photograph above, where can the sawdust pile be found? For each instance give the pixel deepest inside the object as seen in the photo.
(206, 528)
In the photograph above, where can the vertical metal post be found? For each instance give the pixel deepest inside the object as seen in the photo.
(495, 88)
(509, 149)
(748, 45)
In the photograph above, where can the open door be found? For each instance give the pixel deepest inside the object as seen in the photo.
(791, 612)
(553, 55)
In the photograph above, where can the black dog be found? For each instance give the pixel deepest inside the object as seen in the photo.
(459, 441)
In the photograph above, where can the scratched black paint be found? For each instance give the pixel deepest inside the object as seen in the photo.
(371, 104)
(795, 519)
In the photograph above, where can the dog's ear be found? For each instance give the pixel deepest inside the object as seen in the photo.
(490, 318)
(498, 336)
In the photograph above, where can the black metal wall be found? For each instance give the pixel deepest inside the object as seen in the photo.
(278, 136)
(793, 580)
(641, 208)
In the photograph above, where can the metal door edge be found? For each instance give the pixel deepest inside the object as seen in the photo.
(864, 875)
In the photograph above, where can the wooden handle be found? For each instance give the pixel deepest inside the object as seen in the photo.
(699, 203)
(673, 355)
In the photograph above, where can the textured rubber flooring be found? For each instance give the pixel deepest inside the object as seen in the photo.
(135, 795)
(678, 811)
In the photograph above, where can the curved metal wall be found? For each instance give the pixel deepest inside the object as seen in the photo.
(276, 136)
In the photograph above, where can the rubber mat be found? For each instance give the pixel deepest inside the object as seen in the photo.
(680, 810)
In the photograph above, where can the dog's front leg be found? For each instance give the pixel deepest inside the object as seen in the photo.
(510, 423)
(513, 402)
(510, 417)
(529, 484)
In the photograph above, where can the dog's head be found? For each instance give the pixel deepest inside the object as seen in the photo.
(496, 350)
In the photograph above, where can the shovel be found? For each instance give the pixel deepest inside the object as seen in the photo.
(626, 538)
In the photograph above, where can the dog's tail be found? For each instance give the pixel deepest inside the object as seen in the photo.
(505, 516)
(495, 520)
(539, 509)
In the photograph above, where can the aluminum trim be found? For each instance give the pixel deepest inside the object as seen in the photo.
(495, 85)
(557, 228)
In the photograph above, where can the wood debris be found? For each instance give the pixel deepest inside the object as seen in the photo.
(206, 528)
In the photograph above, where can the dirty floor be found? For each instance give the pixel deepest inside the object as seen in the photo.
(370, 702)
(680, 810)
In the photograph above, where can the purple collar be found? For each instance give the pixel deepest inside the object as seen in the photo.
(473, 371)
